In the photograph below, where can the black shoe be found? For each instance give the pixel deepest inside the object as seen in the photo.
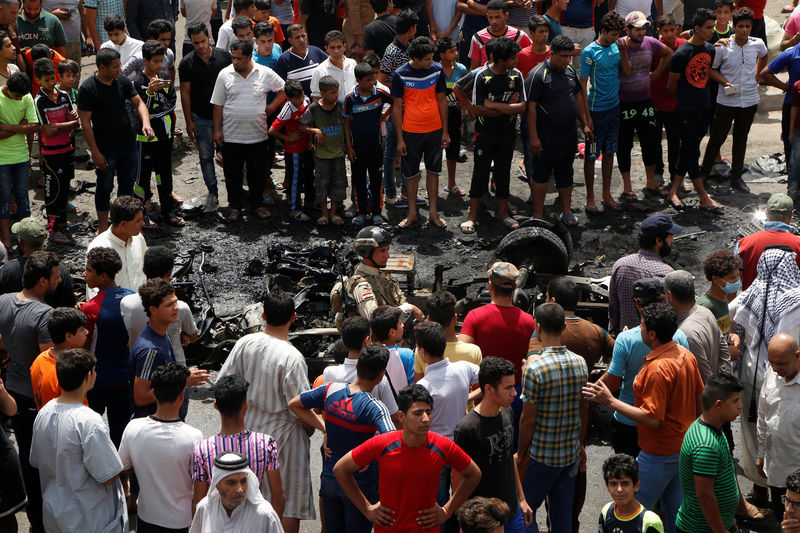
(739, 185)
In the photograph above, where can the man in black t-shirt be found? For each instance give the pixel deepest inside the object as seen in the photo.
(380, 32)
(555, 101)
(319, 17)
(486, 434)
(689, 73)
(498, 97)
(108, 131)
(198, 72)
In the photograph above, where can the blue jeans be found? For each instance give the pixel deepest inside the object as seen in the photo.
(389, 155)
(124, 162)
(556, 484)
(205, 146)
(341, 515)
(515, 524)
(793, 188)
(660, 481)
(14, 179)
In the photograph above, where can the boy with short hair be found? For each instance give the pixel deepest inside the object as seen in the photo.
(70, 73)
(387, 328)
(66, 326)
(158, 30)
(324, 120)
(723, 9)
(496, 15)
(58, 119)
(539, 50)
(266, 53)
(119, 40)
(499, 96)
(155, 155)
(107, 338)
(299, 159)
(419, 114)
(363, 111)
(242, 28)
(337, 66)
(263, 15)
(625, 514)
(447, 54)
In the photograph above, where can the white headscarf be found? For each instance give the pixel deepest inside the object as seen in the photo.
(254, 514)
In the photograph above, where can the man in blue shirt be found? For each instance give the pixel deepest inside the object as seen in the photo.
(626, 361)
(266, 53)
(790, 61)
(299, 61)
(352, 416)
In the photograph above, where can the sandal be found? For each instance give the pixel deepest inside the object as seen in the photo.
(322, 221)
(512, 210)
(438, 222)
(510, 223)
(468, 226)
(713, 209)
(591, 210)
(455, 190)
(677, 205)
(262, 213)
(569, 219)
(234, 215)
(377, 219)
(72, 208)
(337, 220)
(628, 196)
(407, 223)
(661, 191)
(175, 220)
(60, 238)
(760, 515)
(299, 216)
(268, 200)
(147, 223)
(608, 207)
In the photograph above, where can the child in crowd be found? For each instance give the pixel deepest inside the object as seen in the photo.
(299, 158)
(500, 90)
(159, 30)
(58, 118)
(625, 514)
(242, 28)
(262, 15)
(118, 39)
(723, 10)
(39, 51)
(447, 55)
(67, 330)
(155, 155)
(528, 58)
(70, 73)
(324, 120)
(267, 52)
(16, 103)
(387, 328)
(363, 110)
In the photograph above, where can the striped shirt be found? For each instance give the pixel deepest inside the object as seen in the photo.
(291, 66)
(260, 449)
(244, 103)
(553, 382)
(621, 307)
(705, 452)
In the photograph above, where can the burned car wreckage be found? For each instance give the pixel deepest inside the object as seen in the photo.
(540, 249)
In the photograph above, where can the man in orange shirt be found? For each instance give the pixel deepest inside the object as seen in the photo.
(66, 327)
(668, 399)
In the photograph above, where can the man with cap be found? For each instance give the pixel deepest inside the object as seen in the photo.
(31, 233)
(636, 111)
(626, 361)
(777, 231)
(500, 328)
(234, 503)
(369, 286)
(655, 243)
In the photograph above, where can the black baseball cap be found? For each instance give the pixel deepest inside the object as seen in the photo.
(658, 225)
(647, 289)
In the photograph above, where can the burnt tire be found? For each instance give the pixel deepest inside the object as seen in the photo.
(537, 248)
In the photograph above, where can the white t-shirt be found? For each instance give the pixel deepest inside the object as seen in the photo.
(737, 64)
(160, 454)
(74, 454)
(449, 384)
(136, 319)
(626, 6)
(198, 11)
(225, 35)
(346, 373)
(132, 254)
(346, 77)
(126, 50)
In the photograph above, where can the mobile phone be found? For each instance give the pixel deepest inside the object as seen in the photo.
(731, 90)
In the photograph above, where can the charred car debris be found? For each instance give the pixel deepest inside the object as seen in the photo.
(541, 250)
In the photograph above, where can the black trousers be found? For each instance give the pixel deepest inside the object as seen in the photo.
(368, 162)
(22, 423)
(155, 157)
(235, 158)
(692, 126)
(666, 120)
(638, 118)
(741, 118)
(59, 169)
(625, 439)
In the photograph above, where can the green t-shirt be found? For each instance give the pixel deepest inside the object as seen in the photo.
(705, 452)
(720, 310)
(14, 149)
(71, 91)
(332, 126)
(47, 29)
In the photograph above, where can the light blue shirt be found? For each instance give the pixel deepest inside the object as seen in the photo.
(626, 361)
(601, 65)
(269, 60)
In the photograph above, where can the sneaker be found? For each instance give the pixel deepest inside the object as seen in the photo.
(462, 156)
(211, 204)
(358, 221)
(399, 203)
(218, 157)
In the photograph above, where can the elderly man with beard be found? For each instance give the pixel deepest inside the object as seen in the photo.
(234, 502)
(655, 243)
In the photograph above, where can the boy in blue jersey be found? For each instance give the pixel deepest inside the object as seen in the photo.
(386, 323)
(363, 110)
(602, 62)
(625, 514)
(352, 416)
(108, 339)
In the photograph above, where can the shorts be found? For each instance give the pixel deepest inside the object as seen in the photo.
(561, 167)
(606, 132)
(330, 179)
(422, 147)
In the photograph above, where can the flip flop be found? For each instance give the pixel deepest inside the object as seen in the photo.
(455, 190)
(569, 219)
(337, 220)
(148, 223)
(712, 209)
(760, 516)
(438, 222)
(406, 223)
(510, 223)
(299, 216)
(233, 216)
(322, 221)
(468, 227)
(639, 206)
(608, 207)
(628, 196)
(262, 213)
(660, 192)
(175, 220)
(592, 210)
(677, 205)
(268, 200)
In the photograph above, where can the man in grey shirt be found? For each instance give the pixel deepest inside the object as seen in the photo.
(24, 334)
(699, 325)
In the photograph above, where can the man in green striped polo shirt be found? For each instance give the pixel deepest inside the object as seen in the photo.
(711, 496)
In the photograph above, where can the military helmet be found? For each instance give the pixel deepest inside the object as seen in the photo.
(370, 238)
